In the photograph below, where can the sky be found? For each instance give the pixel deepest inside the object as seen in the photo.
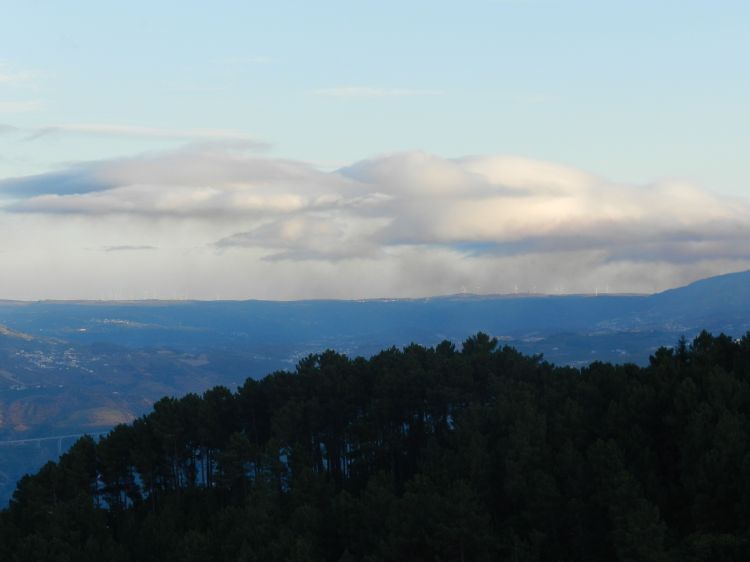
(369, 149)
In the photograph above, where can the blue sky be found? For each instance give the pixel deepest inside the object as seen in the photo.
(634, 92)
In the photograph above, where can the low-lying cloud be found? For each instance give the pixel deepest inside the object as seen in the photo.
(413, 222)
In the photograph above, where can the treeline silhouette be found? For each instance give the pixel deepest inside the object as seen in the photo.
(418, 453)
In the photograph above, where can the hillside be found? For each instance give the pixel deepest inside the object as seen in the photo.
(477, 453)
(717, 303)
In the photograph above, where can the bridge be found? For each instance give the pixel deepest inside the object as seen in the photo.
(59, 438)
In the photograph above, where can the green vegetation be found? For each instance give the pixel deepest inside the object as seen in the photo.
(416, 454)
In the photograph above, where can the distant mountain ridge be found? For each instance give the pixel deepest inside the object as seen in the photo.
(74, 367)
(719, 303)
(716, 299)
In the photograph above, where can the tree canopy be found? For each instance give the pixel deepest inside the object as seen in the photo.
(478, 453)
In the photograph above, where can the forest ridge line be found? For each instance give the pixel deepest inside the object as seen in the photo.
(475, 453)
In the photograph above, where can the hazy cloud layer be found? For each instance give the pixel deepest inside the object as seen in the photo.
(405, 224)
(116, 130)
(20, 106)
(127, 248)
(372, 92)
(119, 130)
(12, 76)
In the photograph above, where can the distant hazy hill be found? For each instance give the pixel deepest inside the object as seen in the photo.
(719, 303)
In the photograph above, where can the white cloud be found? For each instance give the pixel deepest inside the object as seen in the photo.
(404, 224)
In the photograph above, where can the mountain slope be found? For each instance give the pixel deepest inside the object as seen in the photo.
(717, 303)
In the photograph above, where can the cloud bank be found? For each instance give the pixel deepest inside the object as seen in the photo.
(404, 224)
